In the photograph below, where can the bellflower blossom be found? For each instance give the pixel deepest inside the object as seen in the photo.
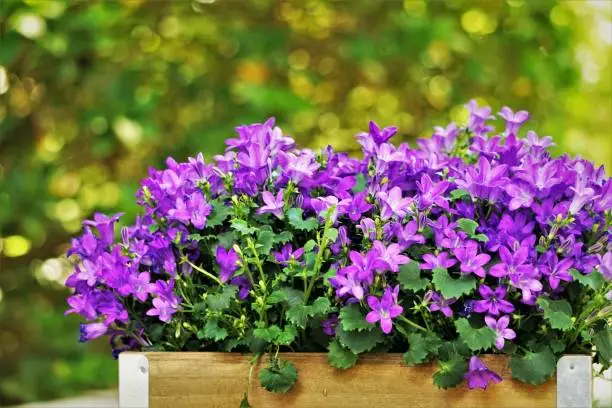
(384, 310)
(479, 376)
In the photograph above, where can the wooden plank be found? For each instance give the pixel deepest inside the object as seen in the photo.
(219, 380)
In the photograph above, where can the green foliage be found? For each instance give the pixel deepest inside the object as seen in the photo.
(450, 287)
(279, 376)
(243, 227)
(294, 216)
(417, 351)
(212, 331)
(359, 341)
(594, 280)
(602, 339)
(299, 313)
(558, 313)
(451, 372)
(476, 339)
(533, 368)
(221, 301)
(219, 213)
(409, 277)
(467, 225)
(341, 357)
(352, 318)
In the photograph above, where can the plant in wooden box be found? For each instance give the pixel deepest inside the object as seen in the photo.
(475, 241)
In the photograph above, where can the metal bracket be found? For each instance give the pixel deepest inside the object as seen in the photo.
(574, 382)
(133, 380)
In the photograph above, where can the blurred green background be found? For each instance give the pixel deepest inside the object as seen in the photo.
(92, 93)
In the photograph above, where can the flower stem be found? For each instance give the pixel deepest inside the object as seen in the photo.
(413, 324)
(208, 274)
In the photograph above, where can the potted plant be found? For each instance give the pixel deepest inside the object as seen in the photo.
(475, 242)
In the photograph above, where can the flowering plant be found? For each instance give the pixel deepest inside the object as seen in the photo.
(475, 241)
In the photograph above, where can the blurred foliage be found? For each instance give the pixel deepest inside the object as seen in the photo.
(94, 92)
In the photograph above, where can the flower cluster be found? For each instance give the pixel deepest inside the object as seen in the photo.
(476, 240)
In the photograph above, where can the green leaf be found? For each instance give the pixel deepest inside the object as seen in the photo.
(450, 287)
(269, 334)
(352, 318)
(265, 240)
(294, 296)
(417, 351)
(340, 357)
(409, 277)
(451, 372)
(277, 296)
(219, 302)
(243, 227)
(359, 341)
(556, 345)
(331, 234)
(212, 331)
(594, 280)
(309, 246)
(319, 307)
(287, 336)
(279, 376)
(283, 237)
(467, 225)
(533, 368)
(459, 193)
(219, 213)
(475, 339)
(360, 183)
(294, 215)
(558, 313)
(298, 315)
(602, 339)
(481, 237)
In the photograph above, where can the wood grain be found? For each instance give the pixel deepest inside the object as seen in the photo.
(219, 380)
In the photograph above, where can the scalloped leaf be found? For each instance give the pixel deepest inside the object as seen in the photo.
(341, 357)
(476, 339)
(352, 318)
(558, 313)
(533, 368)
(409, 277)
(450, 287)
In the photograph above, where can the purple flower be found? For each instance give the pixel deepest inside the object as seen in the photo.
(228, 263)
(358, 206)
(438, 303)
(483, 181)
(528, 283)
(329, 325)
(556, 270)
(368, 228)
(140, 285)
(479, 376)
(91, 331)
(521, 196)
(391, 255)
(501, 330)
(605, 265)
(393, 203)
(582, 195)
(162, 309)
(513, 120)
(368, 264)
(408, 234)
(346, 282)
(431, 193)
(274, 205)
(384, 310)
(440, 261)
(302, 167)
(534, 141)
(287, 254)
(493, 302)
(512, 264)
(105, 226)
(478, 115)
(244, 286)
(471, 261)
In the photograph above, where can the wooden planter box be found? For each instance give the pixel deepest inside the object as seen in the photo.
(219, 380)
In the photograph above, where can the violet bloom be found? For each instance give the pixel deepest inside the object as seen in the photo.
(582, 195)
(273, 205)
(501, 330)
(438, 303)
(442, 260)
(384, 310)
(522, 195)
(243, 284)
(162, 309)
(479, 376)
(512, 263)
(105, 226)
(408, 234)
(91, 331)
(228, 263)
(358, 206)
(287, 254)
(368, 228)
(478, 115)
(393, 203)
(347, 282)
(528, 283)
(432, 193)
(323, 205)
(140, 285)
(368, 264)
(471, 261)
(556, 270)
(605, 265)
(493, 301)
(329, 325)
(513, 120)
(534, 141)
(301, 167)
(391, 255)
(482, 181)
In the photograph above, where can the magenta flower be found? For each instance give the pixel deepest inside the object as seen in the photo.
(393, 203)
(105, 226)
(329, 325)
(140, 285)
(556, 270)
(162, 309)
(391, 255)
(442, 260)
(478, 115)
(471, 261)
(91, 331)
(528, 283)
(287, 254)
(513, 120)
(493, 301)
(438, 303)
(501, 330)
(534, 141)
(482, 181)
(367, 265)
(408, 234)
(432, 193)
(384, 310)
(358, 206)
(227, 261)
(347, 281)
(522, 195)
(605, 265)
(479, 376)
(512, 263)
(273, 205)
